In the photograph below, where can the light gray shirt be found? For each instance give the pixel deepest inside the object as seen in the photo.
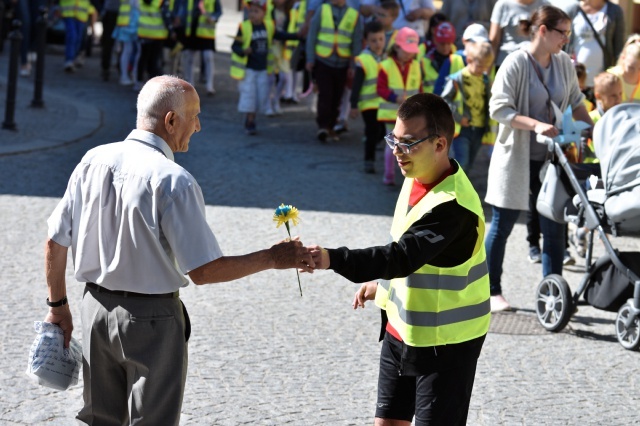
(134, 219)
(508, 14)
(538, 101)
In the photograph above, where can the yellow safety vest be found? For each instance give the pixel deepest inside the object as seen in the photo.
(434, 305)
(369, 98)
(204, 29)
(297, 18)
(78, 9)
(239, 63)
(331, 39)
(635, 96)
(124, 12)
(151, 25)
(387, 111)
(430, 75)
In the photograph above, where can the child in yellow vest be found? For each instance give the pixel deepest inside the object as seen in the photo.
(334, 39)
(364, 94)
(581, 74)
(252, 61)
(386, 15)
(398, 79)
(467, 92)
(75, 14)
(628, 69)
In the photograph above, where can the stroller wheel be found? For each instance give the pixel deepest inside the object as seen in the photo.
(628, 327)
(554, 305)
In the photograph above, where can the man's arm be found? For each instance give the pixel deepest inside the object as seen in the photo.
(55, 265)
(283, 255)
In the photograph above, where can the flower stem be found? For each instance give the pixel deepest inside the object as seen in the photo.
(286, 224)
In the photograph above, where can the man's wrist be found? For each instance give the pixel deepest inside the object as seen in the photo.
(58, 303)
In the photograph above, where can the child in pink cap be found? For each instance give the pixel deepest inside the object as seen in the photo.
(399, 78)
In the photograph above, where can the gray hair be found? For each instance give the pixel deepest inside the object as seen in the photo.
(159, 96)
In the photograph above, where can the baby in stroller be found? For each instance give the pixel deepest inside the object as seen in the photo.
(612, 282)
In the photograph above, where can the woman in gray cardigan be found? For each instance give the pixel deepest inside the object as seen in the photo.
(529, 81)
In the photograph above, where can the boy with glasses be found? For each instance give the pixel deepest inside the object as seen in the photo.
(435, 297)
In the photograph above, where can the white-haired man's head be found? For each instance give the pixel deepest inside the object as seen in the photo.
(168, 107)
(159, 96)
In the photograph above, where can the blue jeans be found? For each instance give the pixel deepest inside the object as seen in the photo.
(466, 146)
(502, 222)
(73, 33)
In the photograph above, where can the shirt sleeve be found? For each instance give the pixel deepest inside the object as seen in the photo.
(496, 14)
(382, 87)
(312, 36)
(445, 237)
(185, 227)
(60, 221)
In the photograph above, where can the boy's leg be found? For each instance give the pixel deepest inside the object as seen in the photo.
(443, 396)
(371, 134)
(339, 81)
(475, 144)
(209, 69)
(389, 161)
(187, 65)
(70, 42)
(461, 147)
(323, 76)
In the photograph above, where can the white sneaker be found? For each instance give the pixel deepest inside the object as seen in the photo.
(276, 108)
(270, 113)
(125, 81)
(68, 66)
(499, 304)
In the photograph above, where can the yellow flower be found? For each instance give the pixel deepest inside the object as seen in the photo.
(284, 214)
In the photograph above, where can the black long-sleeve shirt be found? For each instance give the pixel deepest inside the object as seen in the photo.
(444, 237)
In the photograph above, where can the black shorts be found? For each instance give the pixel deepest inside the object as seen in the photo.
(432, 383)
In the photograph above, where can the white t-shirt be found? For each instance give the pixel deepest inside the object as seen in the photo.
(508, 14)
(586, 47)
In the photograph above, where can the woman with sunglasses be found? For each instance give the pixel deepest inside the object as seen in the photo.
(527, 85)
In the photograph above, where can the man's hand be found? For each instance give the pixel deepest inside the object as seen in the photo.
(62, 317)
(320, 257)
(292, 254)
(367, 291)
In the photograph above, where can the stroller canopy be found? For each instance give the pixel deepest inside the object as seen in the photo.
(616, 138)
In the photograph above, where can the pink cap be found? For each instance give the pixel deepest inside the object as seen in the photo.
(445, 33)
(408, 40)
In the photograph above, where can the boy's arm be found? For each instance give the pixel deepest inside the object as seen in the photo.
(358, 79)
(312, 38)
(236, 47)
(382, 87)
(282, 35)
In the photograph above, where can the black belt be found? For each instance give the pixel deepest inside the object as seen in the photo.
(121, 293)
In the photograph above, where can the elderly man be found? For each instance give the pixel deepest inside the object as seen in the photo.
(135, 221)
(436, 298)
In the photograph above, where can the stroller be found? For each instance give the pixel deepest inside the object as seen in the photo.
(612, 282)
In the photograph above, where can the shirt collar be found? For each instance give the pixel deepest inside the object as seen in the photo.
(151, 139)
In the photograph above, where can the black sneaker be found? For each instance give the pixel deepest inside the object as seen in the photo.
(250, 128)
(322, 135)
(534, 254)
(369, 168)
(341, 127)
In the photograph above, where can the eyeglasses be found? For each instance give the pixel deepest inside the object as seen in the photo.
(392, 141)
(566, 34)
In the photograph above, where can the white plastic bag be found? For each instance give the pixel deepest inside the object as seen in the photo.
(50, 363)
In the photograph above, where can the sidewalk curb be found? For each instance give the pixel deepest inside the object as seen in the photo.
(87, 121)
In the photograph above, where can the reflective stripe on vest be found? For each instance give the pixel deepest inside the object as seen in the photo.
(387, 110)
(430, 75)
(204, 29)
(331, 39)
(151, 24)
(78, 9)
(239, 63)
(369, 98)
(124, 12)
(437, 306)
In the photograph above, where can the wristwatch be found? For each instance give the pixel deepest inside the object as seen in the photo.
(60, 302)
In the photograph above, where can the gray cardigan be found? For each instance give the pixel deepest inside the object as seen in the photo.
(508, 180)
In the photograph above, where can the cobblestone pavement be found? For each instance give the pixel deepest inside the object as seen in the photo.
(259, 353)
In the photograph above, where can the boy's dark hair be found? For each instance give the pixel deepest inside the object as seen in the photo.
(435, 20)
(581, 70)
(390, 5)
(372, 27)
(435, 112)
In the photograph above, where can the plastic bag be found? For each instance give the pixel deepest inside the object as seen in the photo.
(50, 363)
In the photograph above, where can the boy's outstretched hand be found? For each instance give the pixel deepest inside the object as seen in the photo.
(367, 291)
(319, 256)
